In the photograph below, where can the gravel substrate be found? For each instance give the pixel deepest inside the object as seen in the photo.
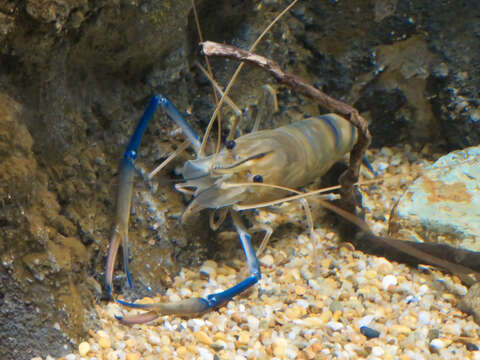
(353, 306)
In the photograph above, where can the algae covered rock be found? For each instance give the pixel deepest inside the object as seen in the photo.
(443, 204)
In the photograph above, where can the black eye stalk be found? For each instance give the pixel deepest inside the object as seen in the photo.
(230, 144)
(258, 179)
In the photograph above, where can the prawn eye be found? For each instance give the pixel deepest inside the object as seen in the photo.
(258, 178)
(230, 144)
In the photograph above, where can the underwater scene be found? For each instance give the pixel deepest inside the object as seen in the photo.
(242, 179)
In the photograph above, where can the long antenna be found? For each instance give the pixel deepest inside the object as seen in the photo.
(234, 77)
(210, 75)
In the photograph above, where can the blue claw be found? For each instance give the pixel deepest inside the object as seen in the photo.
(199, 305)
(127, 172)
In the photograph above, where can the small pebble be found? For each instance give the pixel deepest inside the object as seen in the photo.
(130, 342)
(335, 325)
(384, 266)
(436, 345)
(389, 282)
(83, 348)
(243, 338)
(104, 342)
(300, 290)
(316, 321)
(253, 322)
(377, 351)
(218, 345)
(267, 260)
(423, 289)
(365, 321)
(208, 270)
(205, 354)
(154, 339)
(370, 274)
(293, 313)
(471, 347)
(424, 317)
(279, 347)
(182, 351)
(410, 321)
(202, 337)
(133, 356)
(369, 332)
(381, 167)
(397, 329)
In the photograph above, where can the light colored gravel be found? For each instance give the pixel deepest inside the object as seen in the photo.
(299, 311)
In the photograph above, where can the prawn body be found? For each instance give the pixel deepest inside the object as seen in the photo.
(290, 156)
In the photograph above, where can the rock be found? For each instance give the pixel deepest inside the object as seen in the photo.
(369, 332)
(104, 342)
(471, 347)
(389, 282)
(279, 347)
(470, 303)
(36, 261)
(53, 11)
(398, 329)
(377, 351)
(443, 205)
(436, 345)
(83, 348)
(335, 325)
(390, 104)
(133, 356)
(202, 337)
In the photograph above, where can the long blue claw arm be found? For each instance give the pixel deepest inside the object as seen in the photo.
(122, 214)
(178, 119)
(127, 172)
(199, 305)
